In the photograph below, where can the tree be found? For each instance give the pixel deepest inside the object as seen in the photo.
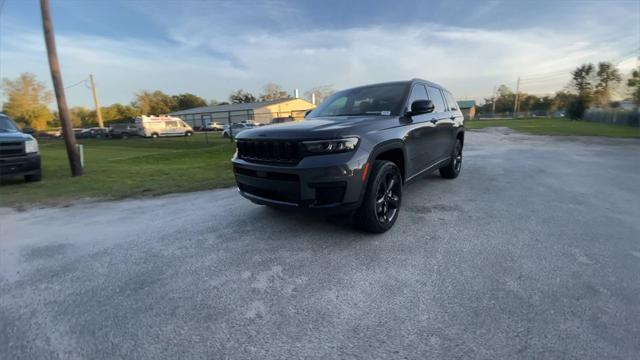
(320, 92)
(27, 101)
(154, 103)
(187, 101)
(608, 79)
(273, 91)
(240, 96)
(582, 83)
(118, 113)
(82, 117)
(634, 86)
(563, 99)
(582, 80)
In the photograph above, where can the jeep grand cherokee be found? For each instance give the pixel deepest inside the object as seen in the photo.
(355, 152)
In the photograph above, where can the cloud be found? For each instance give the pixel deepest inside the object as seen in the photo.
(206, 56)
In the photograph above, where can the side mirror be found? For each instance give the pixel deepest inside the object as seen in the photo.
(421, 107)
(28, 130)
(307, 112)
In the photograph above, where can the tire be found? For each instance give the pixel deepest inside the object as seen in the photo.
(383, 197)
(34, 177)
(452, 170)
(124, 135)
(188, 134)
(154, 135)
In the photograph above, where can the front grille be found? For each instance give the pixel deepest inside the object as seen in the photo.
(14, 148)
(273, 151)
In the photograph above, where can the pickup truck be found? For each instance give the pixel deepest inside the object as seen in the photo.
(19, 153)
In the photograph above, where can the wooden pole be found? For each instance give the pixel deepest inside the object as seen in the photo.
(96, 102)
(515, 103)
(493, 102)
(56, 76)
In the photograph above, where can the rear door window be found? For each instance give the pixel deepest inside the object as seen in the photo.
(451, 101)
(436, 96)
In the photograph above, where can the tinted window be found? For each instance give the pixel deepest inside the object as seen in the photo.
(436, 96)
(383, 99)
(451, 101)
(417, 93)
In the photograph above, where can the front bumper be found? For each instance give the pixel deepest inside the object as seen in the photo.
(20, 165)
(323, 183)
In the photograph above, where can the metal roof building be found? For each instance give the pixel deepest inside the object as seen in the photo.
(260, 112)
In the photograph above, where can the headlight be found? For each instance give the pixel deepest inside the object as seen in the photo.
(330, 146)
(31, 146)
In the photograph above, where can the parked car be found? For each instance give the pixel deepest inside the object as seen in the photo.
(214, 126)
(51, 133)
(157, 126)
(236, 129)
(19, 153)
(355, 152)
(280, 120)
(123, 131)
(93, 133)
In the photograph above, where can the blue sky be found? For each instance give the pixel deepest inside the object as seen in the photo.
(210, 48)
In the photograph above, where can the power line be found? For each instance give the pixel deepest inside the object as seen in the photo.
(76, 84)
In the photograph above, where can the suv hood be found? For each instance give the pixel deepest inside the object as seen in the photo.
(14, 136)
(319, 128)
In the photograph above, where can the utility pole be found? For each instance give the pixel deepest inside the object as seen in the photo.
(96, 102)
(515, 103)
(493, 102)
(56, 76)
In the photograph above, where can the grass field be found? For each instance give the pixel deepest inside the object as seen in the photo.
(125, 168)
(142, 167)
(547, 126)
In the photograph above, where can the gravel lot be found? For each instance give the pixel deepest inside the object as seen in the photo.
(533, 252)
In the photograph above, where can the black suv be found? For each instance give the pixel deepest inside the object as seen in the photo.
(19, 153)
(354, 152)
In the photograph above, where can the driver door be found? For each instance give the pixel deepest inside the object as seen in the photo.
(420, 135)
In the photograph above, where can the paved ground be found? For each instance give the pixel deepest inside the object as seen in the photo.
(534, 252)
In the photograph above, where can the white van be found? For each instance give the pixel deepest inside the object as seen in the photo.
(156, 126)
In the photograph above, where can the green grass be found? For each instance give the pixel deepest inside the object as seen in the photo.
(126, 168)
(547, 126)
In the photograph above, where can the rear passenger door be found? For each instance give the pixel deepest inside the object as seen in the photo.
(442, 126)
(455, 115)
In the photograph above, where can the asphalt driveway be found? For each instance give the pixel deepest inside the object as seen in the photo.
(533, 252)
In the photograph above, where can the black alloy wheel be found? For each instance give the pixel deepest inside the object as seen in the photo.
(388, 198)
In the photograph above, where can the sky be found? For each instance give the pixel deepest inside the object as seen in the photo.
(210, 48)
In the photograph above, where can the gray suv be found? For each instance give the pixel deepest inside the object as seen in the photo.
(355, 152)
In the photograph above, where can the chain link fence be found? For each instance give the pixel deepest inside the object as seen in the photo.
(614, 116)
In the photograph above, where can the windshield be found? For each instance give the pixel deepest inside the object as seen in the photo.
(7, 124)
(382, 99)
